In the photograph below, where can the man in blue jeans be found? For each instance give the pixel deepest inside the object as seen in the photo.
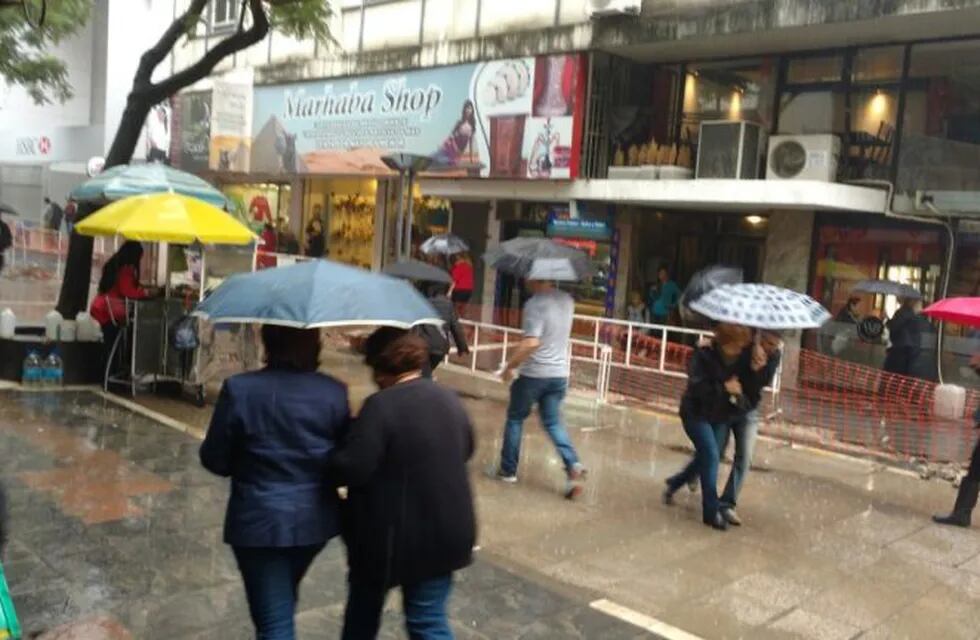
(541, 361)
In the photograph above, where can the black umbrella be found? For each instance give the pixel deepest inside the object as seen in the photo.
(701, 283)
(418, 271)
(539, 259)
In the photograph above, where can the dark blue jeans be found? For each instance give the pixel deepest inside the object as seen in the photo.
(424, 604)
(548, 393)
(706, 438)
(272, 576)
(746, 433)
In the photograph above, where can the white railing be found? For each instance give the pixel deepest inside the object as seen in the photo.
(612, 345)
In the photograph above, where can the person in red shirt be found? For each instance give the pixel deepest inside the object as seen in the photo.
(462, 274)
(120, 281)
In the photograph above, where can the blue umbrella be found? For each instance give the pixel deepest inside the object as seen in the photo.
(141, 179)
(319, 293)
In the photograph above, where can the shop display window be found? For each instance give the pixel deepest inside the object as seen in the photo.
(344, 211)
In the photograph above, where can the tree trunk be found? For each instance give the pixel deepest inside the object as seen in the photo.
(73, 297)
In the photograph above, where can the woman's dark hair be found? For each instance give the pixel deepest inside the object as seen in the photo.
(395, 351)
(467, 118)
(292, 349)
(129, 255)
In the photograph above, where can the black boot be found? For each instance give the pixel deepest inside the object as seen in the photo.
(966, 500)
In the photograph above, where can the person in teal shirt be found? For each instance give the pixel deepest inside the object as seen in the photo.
(664, 297)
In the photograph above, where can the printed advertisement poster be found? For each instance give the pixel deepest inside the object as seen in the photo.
(231, 126)
(506, 118)
(193, 118)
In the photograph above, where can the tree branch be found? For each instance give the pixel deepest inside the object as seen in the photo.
(234, 43)
(156, 54)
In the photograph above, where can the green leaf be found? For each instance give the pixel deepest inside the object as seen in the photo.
(302, 19)
(24, 57)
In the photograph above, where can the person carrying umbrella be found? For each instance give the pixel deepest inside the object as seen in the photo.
(713, 402)
(411, 520)
(905, 335)
(760, 362)
(271, 433)
(541, 359)
(438, 338)
(965, 311)
(726, 380)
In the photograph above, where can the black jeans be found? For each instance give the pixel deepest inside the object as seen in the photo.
(272, 576)
(424, 604)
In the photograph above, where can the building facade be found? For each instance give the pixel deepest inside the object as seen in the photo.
(813, 143)
(45, 148)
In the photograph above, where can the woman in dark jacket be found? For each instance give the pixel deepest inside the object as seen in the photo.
(411, 521)
(271, 432)
(712, 404)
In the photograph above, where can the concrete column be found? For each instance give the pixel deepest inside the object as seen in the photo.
(490, 275)
(624, 224)
(787, 264)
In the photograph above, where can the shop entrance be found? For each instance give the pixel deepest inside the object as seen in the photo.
(687, 242)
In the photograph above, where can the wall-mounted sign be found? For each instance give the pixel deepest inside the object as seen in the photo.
(231, 126)
(33, 146)
(514, 118)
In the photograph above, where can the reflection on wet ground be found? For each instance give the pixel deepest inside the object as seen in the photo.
(832, 547)
(116, 533)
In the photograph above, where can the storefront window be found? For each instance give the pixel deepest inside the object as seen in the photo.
(258, 205)
(741, 90)
(877, 64)
(941, 135)
(344, 210)
(813, 69)
(845, 255)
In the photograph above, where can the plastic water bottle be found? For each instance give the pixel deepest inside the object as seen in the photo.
(32, 371)
(54, 370)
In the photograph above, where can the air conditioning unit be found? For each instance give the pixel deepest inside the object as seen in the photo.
(810, 157)
(730, 149)
(600, 8)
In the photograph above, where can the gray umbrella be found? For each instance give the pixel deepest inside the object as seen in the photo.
(418, 271)
(704, 281)
(444, 244)
(761, 306)
(539, 259)
(6, 209)
(888, 288)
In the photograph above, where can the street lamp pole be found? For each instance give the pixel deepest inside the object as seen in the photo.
(408, 166)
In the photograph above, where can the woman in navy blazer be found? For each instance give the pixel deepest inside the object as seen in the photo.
(271, 432)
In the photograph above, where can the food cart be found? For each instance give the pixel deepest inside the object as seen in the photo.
(154, 343)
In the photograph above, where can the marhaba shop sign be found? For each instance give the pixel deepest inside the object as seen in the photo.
(518, 118)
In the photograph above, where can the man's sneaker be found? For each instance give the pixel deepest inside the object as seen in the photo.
(576, 477)
(578, 472)
(509, 478)
(692, 485)
(732, 517)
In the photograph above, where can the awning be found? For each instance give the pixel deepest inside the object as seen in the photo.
(714, 195)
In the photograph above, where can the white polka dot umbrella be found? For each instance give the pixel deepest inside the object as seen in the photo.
(762, 306)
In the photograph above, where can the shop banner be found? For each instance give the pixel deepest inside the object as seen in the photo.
(514, 118)
(192, 126)
(231, 126)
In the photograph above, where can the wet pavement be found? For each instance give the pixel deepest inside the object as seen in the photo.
(832, 547)
(116, 533)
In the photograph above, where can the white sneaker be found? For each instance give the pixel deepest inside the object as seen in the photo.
(508, 478)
